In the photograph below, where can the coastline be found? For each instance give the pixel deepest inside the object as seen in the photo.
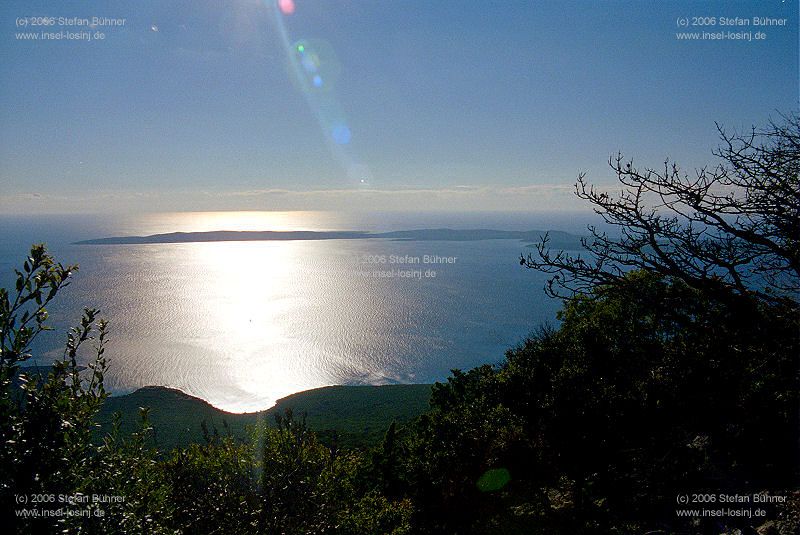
(352, 416)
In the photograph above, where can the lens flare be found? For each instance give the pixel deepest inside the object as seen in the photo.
(286, 6)
(315, 70)
(315, 64)
(341, 134)
(493, 480)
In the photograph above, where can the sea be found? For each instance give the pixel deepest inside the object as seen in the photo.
(243, 324)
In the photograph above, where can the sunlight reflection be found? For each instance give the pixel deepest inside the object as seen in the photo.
(247, 300)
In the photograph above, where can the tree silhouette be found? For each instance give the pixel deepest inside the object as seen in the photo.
(734, 227)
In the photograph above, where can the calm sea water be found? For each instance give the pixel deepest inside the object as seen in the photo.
(242, 324)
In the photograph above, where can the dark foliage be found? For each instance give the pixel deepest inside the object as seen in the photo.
(675, 367)
(646, 391)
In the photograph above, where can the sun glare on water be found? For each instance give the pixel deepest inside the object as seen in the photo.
(248, 303)
(242, 324)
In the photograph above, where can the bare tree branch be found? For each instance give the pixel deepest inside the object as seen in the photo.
(731, 228)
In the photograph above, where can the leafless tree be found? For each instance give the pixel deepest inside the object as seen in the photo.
(734, 227)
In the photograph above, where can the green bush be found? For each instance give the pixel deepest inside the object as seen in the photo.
(46, 420)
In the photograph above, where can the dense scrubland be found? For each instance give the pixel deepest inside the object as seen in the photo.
(673, 372)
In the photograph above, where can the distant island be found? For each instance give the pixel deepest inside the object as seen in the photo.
(558, 239)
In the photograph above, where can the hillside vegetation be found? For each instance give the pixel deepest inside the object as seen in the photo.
(350, 416)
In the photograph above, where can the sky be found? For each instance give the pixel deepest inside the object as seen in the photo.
(370, 105)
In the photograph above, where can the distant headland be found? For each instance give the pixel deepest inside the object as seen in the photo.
(558, 239)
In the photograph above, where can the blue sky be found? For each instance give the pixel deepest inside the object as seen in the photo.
(446, 104)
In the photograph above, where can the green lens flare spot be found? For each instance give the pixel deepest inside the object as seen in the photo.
(301, 48)
(493, 480)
